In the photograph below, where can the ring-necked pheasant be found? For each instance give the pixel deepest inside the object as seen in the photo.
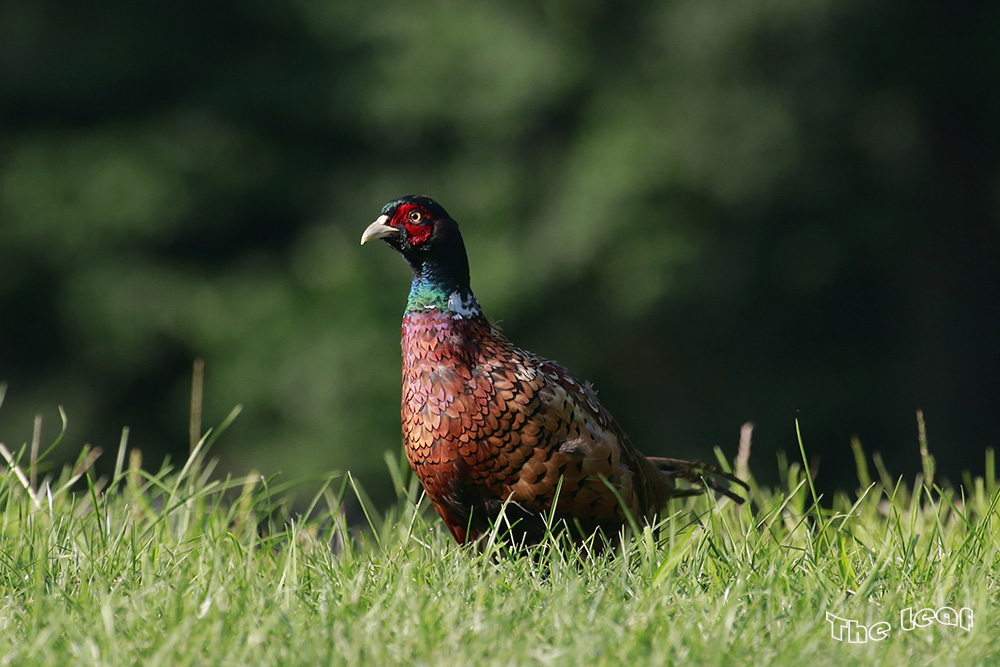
(485, 422)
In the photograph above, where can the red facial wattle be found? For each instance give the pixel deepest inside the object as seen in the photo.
(417, 233)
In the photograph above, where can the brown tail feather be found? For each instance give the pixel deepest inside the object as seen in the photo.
(696, 472)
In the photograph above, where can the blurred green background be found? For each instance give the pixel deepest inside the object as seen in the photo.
(715, 210)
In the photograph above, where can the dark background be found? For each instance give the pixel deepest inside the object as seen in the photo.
(715, 211)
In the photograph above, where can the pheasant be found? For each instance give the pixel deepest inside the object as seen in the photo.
(487, 424)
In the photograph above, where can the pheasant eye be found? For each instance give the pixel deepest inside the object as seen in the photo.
(416, 216)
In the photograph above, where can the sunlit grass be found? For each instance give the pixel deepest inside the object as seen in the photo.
(183, 567)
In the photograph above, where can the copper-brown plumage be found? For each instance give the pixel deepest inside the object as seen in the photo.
(486, 423)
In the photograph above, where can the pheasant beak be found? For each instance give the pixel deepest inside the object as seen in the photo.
(378, 230)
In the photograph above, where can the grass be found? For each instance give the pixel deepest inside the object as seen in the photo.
(179, 567)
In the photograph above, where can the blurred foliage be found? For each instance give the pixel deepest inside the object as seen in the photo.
(716, 211)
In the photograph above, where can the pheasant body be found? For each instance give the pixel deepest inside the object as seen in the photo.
(486, 423)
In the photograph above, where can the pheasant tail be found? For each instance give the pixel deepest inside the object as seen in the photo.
(696, 472)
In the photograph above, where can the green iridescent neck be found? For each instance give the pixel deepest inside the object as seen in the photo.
(427, 293)
(441, 275)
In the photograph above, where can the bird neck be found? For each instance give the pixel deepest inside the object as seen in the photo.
(442, 286)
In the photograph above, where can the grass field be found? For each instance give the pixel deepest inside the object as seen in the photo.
(179, 567)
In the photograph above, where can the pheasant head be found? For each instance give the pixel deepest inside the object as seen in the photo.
(428, 238)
